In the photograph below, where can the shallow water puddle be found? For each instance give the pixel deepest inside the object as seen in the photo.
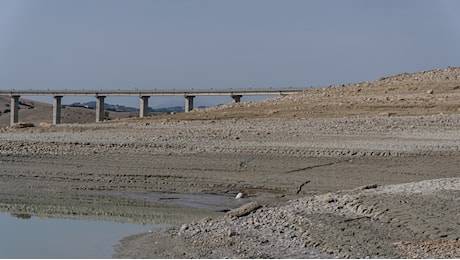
(212, 202)
(25, 236)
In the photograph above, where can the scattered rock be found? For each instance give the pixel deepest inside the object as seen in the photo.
(44, 124)
(367, 187)
(388, 114)
(231, 233)
(429, 249)
(23, 125)
(244, 210)
(329, 199)
(239, 195)
(183, 227)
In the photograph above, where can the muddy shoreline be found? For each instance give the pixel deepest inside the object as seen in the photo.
(108, 170)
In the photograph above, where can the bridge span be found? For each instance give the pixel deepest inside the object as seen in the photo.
(144, 96)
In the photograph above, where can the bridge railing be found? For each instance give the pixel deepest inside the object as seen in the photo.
(152, 92)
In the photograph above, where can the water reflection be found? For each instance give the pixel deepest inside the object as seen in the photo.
(85, 226)
(21, 215)
(125, 208)
(25, 236)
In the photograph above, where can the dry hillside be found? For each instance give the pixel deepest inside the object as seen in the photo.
(38, 112)
(423, 93)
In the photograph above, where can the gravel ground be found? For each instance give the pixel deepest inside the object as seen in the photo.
(135, 171)
(413, 220)
(375, 136)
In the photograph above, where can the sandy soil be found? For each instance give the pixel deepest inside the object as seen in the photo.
(338, 183)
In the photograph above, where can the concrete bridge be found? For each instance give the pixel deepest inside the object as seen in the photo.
(144, 96)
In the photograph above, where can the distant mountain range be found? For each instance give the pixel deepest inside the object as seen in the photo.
(121, 108)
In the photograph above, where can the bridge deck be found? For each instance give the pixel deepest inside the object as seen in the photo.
(192, 92)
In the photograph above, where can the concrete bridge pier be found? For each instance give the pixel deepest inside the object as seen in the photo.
(14, 109)
(100, 116)
(236, 98)
(57, 110)
(144, 107)
(189, 103)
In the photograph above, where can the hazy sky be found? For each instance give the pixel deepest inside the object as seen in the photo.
(109, 44)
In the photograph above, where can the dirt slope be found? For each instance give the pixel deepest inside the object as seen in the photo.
(36, 112)
(423, 93)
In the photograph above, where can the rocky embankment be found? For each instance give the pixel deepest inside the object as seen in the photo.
(414, 220)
